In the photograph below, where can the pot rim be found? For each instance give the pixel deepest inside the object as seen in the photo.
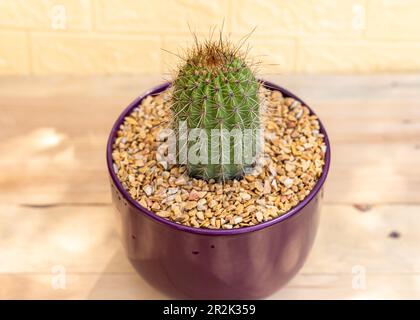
(213, 232)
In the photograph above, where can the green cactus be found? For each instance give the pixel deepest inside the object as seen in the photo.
(217, 91)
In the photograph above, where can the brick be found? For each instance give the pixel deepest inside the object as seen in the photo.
(394, 56)
(357, 57)
(299, 17)
(46, 15)
(394, 19)
(326, 56)
(275, 55)
(95, 54)
(14, 57)
(159, 15)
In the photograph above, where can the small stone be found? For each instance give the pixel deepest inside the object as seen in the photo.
(155, 206)
(194, 222)
(274, 185)
(213, 221)
(132, 121)
(143, 202)
(176, 211)
(259, 216)
(178, 198)
(181, 181)
(267, 187)
(172, 191)
(139, 163)
(261, 202)
(307, 145)
(190, 205)
(290, 167)
(237, 220)
(202, 194)
(245, 196)
(200, 215)
(212, 203)
(169, 199)
(208, 214)
(193, 195)
(276, 95)
(148, 190)
(306, 164)
(201, 204)
(288, 182)
(164, 164)
(259, 186)
(250, 178)
(163, 214)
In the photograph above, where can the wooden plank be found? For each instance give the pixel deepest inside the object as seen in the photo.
(130, 286)
(312, 286)
(83, 241)
(77, 286)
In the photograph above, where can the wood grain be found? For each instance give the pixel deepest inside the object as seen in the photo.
(83, 241)
(55, 200)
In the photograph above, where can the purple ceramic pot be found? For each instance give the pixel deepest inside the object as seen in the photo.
(186, 262)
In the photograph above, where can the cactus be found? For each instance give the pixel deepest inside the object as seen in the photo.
(216, 90)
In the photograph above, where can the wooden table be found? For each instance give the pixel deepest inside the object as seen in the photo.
(57, 235)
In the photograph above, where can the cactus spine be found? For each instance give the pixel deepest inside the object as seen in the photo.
(216, 91)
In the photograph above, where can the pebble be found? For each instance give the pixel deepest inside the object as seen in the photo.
(181, 181)
(193, 195)
(212, 204)
(148, 190)
(143, 202)
(201, 204)
(237, 220)
(288, 182)
(172, 191)
(177, 211)
(245, 196)
(200, 215)
(267, 187)
(190, 205)
(163, 214)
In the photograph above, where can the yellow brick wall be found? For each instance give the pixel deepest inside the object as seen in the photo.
(126, 36)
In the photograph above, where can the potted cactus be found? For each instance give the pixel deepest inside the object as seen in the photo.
(217, 179)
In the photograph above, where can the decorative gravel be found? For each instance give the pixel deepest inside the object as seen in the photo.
(292, 163)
